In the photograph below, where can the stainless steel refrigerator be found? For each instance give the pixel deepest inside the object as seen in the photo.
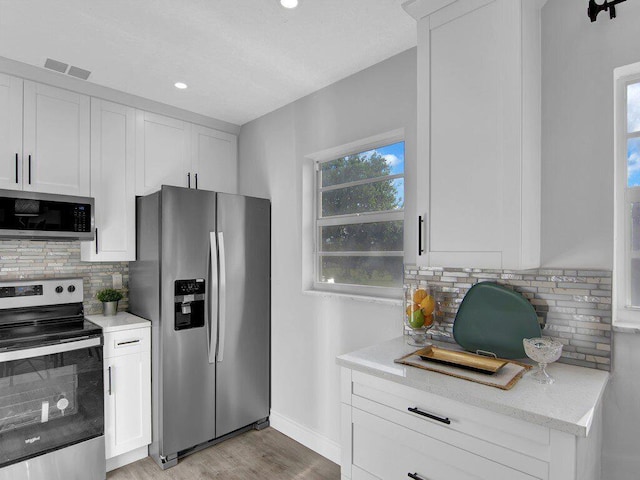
(202, 277)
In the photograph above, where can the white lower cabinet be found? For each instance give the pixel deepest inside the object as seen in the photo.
(391, 431)
(127, 386)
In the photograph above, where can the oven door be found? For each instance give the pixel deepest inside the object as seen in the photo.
(50, 397)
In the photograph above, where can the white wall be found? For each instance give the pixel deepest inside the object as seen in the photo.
(578, 58)
(309, 331)
(577, 183)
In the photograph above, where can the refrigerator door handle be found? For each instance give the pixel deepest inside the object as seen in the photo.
(212, 324)
(222, 307)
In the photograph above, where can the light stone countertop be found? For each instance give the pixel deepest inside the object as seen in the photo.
(567, 405)
(120, 321)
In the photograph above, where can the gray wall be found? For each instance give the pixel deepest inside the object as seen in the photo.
(577, 209)
(578, 58)
(308, 331)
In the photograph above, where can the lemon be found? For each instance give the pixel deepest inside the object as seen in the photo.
(428, 305)
(419, 295)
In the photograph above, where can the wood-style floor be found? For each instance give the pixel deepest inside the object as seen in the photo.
(259, 455)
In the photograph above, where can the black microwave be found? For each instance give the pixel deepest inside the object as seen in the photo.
(45, 216)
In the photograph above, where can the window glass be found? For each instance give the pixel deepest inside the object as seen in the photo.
(367, 271)
(379, 162)
(370, 197)
(363, 237)
(633, 162)
(360, 220)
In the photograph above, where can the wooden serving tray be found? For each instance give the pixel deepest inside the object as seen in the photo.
(469, 361)
(504, 379)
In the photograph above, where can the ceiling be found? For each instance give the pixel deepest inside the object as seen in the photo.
(240, 58)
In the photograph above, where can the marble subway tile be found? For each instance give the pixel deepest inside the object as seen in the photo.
(574, 306)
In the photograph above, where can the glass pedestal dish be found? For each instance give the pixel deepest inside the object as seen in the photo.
(544, 350)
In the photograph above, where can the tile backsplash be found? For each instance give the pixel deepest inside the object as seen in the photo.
(28, 259)
(573, 306)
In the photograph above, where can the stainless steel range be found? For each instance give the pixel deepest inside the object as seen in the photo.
(51, 383)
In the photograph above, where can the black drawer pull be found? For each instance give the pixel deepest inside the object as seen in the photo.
(415, 476)
(129, 342)
(429, 415)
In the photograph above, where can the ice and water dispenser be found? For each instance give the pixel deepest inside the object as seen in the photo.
(189, 303)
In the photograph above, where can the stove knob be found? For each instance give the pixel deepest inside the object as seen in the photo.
(71, 288)
(59, 289)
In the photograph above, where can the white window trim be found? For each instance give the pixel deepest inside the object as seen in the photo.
(623, 315)
(310, 209)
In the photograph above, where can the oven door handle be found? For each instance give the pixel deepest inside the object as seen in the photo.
(49, 349)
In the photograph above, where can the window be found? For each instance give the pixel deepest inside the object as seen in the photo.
(359, 220)
(627, 196)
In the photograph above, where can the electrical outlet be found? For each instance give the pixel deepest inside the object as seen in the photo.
(117, 280)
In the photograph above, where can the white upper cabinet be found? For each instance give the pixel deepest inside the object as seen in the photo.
(163, 154)
(214, 161)
(56, 140)
(112, 183)
(10, 132)
(478, 133)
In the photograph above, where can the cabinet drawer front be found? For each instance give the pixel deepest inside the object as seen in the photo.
(126, 342)
(441, 432)
(389, 451)
(517, 435)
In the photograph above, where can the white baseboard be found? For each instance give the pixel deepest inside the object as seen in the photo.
(127, 458)
(307, 437)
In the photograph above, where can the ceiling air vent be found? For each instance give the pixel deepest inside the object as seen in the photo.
(56, 65)
(79, 72)
(62, 68)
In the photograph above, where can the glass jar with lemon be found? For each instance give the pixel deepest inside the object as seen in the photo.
(419, 313)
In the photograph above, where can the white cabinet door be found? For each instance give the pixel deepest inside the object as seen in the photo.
(214, 160)
(10, 132)
(127, 380)
(56, 140)
(162, 152)
(478, 142)
(112, 183)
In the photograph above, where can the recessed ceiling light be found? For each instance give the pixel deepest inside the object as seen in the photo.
(180, 85)
(289, 3)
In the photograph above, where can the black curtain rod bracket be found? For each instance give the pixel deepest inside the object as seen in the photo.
(609, 5)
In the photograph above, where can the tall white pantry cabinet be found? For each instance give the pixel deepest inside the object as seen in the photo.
(478, 133)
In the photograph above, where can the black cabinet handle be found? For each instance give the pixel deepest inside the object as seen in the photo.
(189, 180)
(16, 168)
(29, 169)
(96, 240)
(196, 181)
(420, 224)
(429, 415)
(109, 380)
(415, 476)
